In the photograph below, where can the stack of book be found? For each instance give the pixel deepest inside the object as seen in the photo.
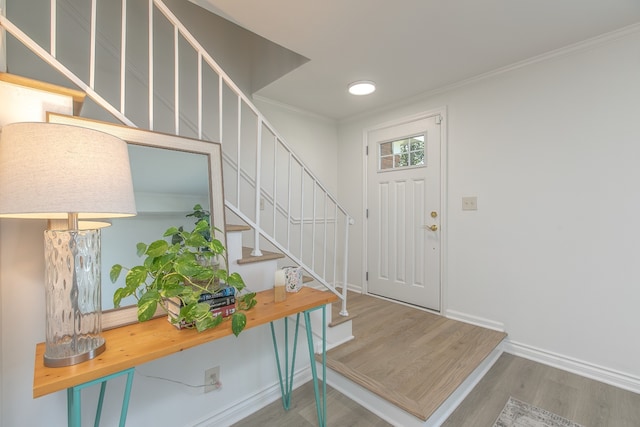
(221, 303)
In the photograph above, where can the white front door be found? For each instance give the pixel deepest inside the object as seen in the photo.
(403, 197)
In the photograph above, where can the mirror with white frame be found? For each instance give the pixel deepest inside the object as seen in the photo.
(171, 175)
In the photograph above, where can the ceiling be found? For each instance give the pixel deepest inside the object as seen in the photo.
(410, 47)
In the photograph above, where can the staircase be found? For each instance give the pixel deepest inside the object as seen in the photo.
(267, 186)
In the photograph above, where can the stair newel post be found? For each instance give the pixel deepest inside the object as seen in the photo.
(345, 257)
(256, 232)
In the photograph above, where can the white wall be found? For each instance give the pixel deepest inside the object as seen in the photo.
(314, 138)
(551, 151)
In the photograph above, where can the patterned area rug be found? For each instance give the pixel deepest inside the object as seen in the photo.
(520, 414)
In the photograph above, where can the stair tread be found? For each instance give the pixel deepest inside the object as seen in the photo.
(235, 227)
(338, 320)
(247, 258)
(78, 96)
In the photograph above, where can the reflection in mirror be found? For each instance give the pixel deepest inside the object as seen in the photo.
(167, 185)
(170, 174)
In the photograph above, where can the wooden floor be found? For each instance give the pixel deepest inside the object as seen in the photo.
(341, 412)
(412, 358)
(585, 401)
(579, 399)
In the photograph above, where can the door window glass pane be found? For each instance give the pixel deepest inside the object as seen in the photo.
(402, 153)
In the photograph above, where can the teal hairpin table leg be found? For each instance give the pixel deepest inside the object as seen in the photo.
(286, 383)
(74, 405)
(321, 401)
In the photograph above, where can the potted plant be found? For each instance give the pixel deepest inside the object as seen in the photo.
(183, 265)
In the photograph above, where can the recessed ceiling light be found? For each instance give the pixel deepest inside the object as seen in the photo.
(362, 87)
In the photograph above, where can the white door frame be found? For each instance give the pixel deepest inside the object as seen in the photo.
(442, 112)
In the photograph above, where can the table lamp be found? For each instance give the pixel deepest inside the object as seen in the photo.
(52, 171)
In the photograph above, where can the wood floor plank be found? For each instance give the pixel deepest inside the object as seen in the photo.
(341, 411)
(415, 364)
(579, 399)
(408, 356)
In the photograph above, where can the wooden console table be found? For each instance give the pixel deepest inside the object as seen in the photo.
(133, 345)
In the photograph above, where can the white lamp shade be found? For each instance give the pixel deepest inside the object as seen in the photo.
(50, 170)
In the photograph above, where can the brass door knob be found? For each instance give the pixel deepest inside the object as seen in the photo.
(432, 228)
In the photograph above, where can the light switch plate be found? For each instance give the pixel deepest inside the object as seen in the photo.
(470, 203)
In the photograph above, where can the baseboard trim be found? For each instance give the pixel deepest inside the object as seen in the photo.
(586, 369)
(575, 366)
(242, 409)
(475, 320)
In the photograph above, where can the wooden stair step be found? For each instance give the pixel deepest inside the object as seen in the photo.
(247, 258)
(78, 96)
(336, 319)
(236, 227)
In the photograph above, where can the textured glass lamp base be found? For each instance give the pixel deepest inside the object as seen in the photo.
(74, 357)
(73, 297)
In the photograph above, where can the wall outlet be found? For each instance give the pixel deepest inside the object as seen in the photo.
(212, 379)
(470, 203)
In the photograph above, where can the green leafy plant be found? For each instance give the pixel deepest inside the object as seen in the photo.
(181, 265)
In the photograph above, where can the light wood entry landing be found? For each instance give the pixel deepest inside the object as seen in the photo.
(412, 358)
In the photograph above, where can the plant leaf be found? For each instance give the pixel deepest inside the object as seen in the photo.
(157, 248)
(117, 297)
(247, 301)
(147, 305)
(208, 322)
(136, 277)
(216, 246)
(171, 231)
(141, 248)
(238, 322)
(236, 281)
(115, 272)
(171, 290)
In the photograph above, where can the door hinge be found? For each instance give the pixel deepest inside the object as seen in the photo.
(366, 149)
(366, 276)
(366, 213)
(438, 119)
